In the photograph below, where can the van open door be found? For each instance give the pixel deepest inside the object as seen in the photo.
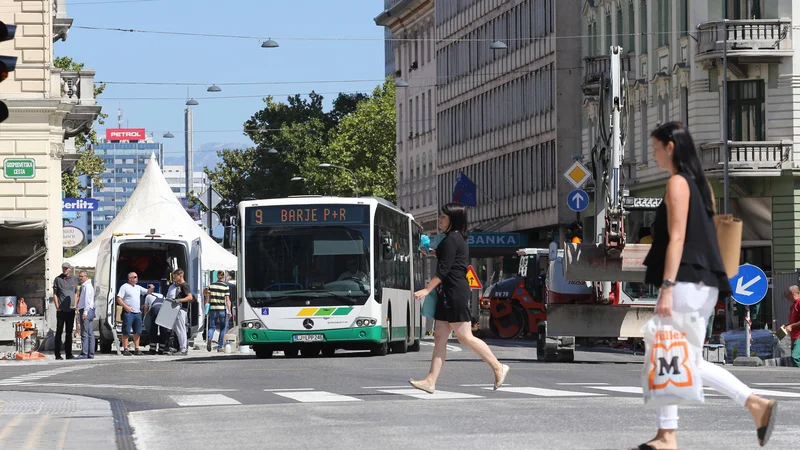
(195, 280)
(106, 293)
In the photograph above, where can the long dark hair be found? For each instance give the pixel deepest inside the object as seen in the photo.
(458, 217)
(685, 158)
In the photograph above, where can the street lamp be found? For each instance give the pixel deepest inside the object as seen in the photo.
(272, 151)
(401, 84)
(297, 179)
(498, 45)
(214, 88)
(355, 180)
(191, 102)
(269, 43)
(169, 135)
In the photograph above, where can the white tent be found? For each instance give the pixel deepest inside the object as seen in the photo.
(153, 205)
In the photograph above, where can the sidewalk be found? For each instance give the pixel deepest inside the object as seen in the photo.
(55, 421)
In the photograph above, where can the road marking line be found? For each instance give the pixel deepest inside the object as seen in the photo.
(9, 427)
(122, 386)
(769, 393)
(542, 392)
(383, 387)
(317, 397)
(623, 389)
(776, 384)
(32, 441)
(449, 346)
(582, 384)
(62, 441)
(203, 400)
(437, 395)
(288, 390)
(481, 385)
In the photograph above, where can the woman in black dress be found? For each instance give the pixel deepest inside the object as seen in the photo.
(685, 262)
(452, 307)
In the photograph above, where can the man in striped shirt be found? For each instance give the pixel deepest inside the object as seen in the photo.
(220, 300)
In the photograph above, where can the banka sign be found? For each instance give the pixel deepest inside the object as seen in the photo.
(79, 204)
(508, 240)
(125, 134)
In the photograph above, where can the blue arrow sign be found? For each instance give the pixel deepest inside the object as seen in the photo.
(749, 285)
(578, 200)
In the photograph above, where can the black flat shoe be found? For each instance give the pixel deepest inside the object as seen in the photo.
(765, 432)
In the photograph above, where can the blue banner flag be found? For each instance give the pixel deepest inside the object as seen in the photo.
(465, 191)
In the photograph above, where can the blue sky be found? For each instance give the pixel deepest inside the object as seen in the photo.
(142, 57)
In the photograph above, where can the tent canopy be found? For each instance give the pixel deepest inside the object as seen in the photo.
(153, 205)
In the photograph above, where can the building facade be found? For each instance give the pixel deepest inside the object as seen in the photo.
(412, 22)
(507, 112)
(176, 179)
(674, 54)
(46, 106)
(125, 163)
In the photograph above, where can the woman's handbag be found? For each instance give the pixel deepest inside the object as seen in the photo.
(729, 239)
(429, 304)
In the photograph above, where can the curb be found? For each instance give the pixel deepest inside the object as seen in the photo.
(786, 361)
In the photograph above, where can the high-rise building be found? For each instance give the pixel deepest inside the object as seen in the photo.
(125, 155)
(509, 113)
(412, 22)
(176, 179)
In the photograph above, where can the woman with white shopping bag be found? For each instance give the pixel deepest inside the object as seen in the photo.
(684, 260)
(451, 307)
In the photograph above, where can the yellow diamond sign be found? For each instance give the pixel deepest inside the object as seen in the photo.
(577, 175)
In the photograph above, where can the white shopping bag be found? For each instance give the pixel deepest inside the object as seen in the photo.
(670, 375)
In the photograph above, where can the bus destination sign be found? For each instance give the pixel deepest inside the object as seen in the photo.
(306, 215)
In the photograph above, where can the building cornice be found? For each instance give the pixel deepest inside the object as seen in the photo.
(401, 15)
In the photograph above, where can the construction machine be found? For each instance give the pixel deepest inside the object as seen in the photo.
(586, 299)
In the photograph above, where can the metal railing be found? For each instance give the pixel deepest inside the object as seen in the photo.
(754, 34)
(595, 67)
(743, 155)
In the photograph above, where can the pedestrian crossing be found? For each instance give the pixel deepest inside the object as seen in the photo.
(307, 395)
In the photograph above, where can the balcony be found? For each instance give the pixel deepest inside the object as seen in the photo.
(77, 89)
(749, 41)
(765, 158)
(597, 67)
(61, 23)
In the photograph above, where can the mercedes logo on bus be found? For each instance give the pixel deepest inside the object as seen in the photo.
(308, 324)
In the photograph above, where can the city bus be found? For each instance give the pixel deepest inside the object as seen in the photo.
(320, 274)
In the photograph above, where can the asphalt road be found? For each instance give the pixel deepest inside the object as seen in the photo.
(353, 400)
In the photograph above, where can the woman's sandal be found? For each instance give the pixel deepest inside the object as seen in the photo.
(765, 431)
(504, 372)
(421, 386)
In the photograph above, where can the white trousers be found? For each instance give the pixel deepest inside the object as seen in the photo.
(686, 298)
(179, 327)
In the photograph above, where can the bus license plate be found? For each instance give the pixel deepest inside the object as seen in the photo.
(308, 338)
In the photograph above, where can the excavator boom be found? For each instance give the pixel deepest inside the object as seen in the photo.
(589, 262)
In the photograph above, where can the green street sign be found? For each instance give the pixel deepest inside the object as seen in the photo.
(19, 168)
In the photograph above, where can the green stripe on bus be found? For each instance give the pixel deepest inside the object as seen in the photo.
(343, 311)
(325, 311)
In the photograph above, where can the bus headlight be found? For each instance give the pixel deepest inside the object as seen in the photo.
(365, 321)
(252, 324)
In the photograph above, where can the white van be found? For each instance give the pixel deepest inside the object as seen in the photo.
(153, 257)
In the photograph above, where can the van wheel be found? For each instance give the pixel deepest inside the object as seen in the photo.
(105, 344)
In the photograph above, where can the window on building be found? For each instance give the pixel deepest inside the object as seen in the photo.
(631, 28)
(410, 118)
(663, 18)
(663, 109)
(683, 26)
(608, 30)
(416, 115)
(424, 122)
(685, 105)
(745, 9)
(643, 26)
(620, 28)
(630, 135)
(746, 110)
(645, 132)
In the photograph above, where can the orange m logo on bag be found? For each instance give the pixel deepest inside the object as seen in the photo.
(669, 364)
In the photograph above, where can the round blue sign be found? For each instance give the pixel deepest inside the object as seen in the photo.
(577, 200)
(749, 285)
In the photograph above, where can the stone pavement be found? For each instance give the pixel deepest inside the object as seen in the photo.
(55, 422)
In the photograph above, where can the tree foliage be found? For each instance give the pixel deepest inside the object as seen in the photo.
(88, 163)
(357, 133)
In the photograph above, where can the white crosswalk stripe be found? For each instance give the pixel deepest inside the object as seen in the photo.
(437, 395)
(204, 400)
(542, 392)
(317, 396)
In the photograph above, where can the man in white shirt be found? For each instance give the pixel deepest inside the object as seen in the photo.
(130, 298)
(86, 313)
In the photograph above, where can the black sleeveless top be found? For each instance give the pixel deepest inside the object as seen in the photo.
(701, 261)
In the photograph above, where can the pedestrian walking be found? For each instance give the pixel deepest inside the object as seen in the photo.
(685, 262)
(793, 327)
(130, 298)
(220, 310)
(452, 307)
(179, 290)
(64, 287)
(87, 314)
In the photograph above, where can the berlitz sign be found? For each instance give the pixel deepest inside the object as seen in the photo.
(125, 134)
(79, 204)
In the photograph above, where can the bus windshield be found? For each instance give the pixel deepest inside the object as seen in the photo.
(307, 255)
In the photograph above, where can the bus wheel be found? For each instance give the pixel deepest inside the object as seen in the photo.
(380, 349)
(263, 352)
(290, 352)
(328, 351)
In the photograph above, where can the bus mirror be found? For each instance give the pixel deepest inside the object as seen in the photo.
(227, 238)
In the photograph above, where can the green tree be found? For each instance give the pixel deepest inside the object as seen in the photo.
(365, 144)
(88, 163)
